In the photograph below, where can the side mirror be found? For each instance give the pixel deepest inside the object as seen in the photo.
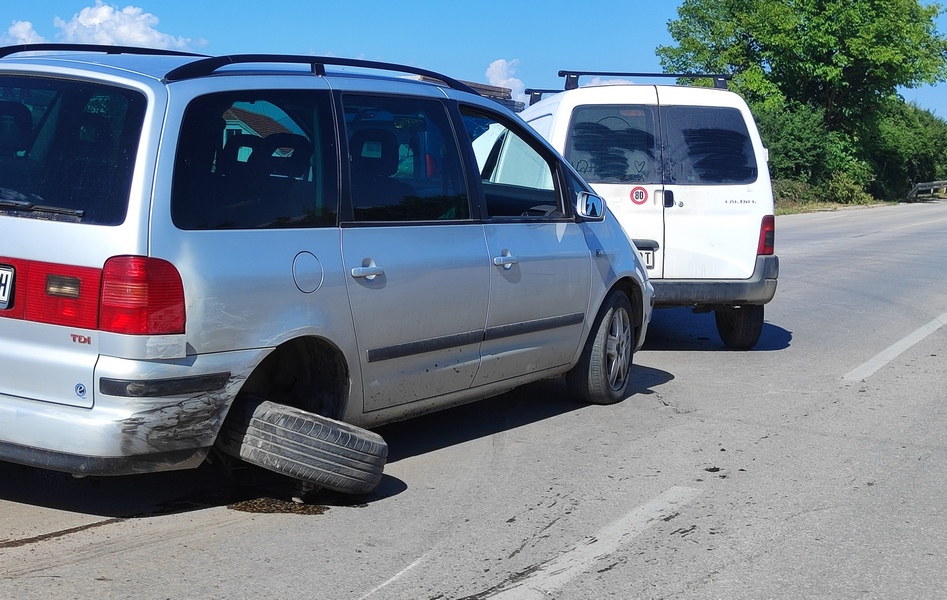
(590, 207)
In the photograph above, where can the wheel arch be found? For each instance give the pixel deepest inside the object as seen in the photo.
(632, 289)
(307, 372)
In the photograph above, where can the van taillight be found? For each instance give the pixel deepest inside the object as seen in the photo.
(141, 296)
(767, 236)
(61, 295)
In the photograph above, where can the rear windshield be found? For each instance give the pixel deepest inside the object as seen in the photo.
(67, 149)
(614, 144)
(702, 145)
(708, 145)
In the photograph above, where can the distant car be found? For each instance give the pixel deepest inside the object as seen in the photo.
(270, 253)
(685, 172)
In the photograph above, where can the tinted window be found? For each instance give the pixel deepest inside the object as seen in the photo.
(258, 159)
(517, 180)
(67, 149)
(403, 160)
(707, 145)
(614, 144)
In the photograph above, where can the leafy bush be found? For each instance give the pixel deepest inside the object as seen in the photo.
(792, 192)
(905, 145)
(843, 189)
(799, 144)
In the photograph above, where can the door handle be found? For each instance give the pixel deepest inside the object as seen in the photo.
(506, 261)
(668, 199)
(367, 272)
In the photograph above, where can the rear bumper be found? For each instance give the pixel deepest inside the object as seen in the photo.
(147, 416)
(758, 289)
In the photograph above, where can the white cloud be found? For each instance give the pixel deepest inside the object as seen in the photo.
(21, 32)
(500, 73)
(107, 24)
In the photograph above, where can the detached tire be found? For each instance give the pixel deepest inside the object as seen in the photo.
(740, 327)
(302, 445)
(603, 373)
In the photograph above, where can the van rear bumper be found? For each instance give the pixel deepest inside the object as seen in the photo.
(147, 416)
(758, 289)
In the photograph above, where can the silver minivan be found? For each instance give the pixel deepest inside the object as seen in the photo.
(268, 254)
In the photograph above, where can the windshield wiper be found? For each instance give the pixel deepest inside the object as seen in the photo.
(31, 207)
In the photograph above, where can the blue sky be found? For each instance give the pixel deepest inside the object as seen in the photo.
(504, 42)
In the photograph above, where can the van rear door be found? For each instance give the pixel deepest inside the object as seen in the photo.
(717, 186)
(613, 144)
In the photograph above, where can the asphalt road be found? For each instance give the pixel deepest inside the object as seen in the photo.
(814, 466)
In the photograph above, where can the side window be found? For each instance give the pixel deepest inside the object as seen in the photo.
(708, 145)
(404, 163)
(256, 160)
(517, 180)
(614, 144)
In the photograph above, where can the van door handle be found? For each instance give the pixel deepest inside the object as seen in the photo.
(668, 199)
(367, 272)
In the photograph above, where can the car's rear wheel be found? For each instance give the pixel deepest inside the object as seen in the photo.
(740, 327)
(603, 373)
(311, 448)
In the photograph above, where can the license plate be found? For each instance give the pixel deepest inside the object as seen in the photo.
(647, 257)
(6, 286)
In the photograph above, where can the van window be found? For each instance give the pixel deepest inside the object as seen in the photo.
(614, 144)
(517, 180)
(404, 163)
(708, 145)
(257, 159)
(67, 149)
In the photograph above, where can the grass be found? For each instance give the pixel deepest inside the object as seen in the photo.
(788, 207)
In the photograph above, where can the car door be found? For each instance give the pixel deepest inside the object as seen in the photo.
(415, 262)
(717, 193)
(540, 265)
(613, 142)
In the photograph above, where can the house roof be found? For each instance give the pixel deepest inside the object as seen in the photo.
(259, 124)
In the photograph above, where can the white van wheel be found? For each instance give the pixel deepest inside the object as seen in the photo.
(603, 373)
(740, 327)
(305, 446)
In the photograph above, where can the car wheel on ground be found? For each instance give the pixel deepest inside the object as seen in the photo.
(740, 326)
(315, 449)
(603, 373)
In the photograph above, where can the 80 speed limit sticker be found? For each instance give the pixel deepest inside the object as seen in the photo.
(639, 195)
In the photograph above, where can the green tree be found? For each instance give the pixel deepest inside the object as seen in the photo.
(905, 145)
(821, 76)
(845, 57)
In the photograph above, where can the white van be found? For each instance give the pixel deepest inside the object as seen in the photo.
(684, 171)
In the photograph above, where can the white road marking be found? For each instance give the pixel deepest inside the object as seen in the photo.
(399, 574)
(892, 351)
(552, 576)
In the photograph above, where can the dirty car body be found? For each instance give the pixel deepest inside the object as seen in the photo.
(175, 232)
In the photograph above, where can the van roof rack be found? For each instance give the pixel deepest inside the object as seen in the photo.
(535, 94)
(51, 47)
(572, 77)
(209, 65)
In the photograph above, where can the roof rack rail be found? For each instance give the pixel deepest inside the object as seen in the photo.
(8, 50)
(208, 66)
(535, 94)
(572, 77)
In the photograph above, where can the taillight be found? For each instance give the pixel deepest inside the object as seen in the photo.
(767, 236)
(61, 295)
(141, 296)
